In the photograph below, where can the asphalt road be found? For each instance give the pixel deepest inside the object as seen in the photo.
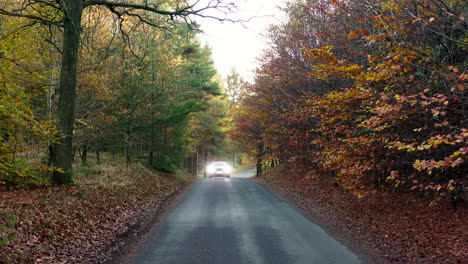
(239, 221)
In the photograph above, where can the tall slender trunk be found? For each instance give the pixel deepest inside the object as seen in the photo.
(196, 164)
(193, 165)
(188, 163)
(260, 159)
(62, 151)
(127, 146)
(164, 139)
(50, 101)
(151, 155)
(205, 160)
(151, 141)
(84, 154)
(98, 155)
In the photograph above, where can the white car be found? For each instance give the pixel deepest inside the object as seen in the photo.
(218, 168)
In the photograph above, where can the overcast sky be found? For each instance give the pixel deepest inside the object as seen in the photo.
(238, 45)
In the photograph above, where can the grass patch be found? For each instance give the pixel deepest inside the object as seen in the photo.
(11, 220)
(182, 176)
(87, 171)
(8, 219)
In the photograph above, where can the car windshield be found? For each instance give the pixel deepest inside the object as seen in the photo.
(219, 164)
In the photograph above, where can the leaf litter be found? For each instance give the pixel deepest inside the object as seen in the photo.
(79, 223)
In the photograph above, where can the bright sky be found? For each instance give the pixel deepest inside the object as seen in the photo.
(237, 45)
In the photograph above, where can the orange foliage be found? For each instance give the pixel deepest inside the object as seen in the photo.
(391, 113)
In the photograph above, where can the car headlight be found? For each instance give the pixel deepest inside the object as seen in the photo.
(228, 169)
(210, 169)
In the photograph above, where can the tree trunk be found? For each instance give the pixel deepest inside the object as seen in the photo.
(234, 164)
(50, 102)
(259, 159)
(98, 155)
(189, 164)
(150, 157)
(153, 97)
(74, 150)
(127, 147)
(196, 164)
(62, 150)
(193, 164)
(84, 154)
(151, 141)
(206, 161)
(164, 140)
(50, 154)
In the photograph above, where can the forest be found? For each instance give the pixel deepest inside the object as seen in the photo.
(368, 93)
(105, 104)
(146, 88)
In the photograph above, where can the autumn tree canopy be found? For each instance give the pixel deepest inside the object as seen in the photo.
(68, 15)
(371, 93)
(141, 76)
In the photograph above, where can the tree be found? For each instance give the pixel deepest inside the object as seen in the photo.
(21, 77)
(235, 87)
(250, 129)
(68, 14)
(368, 93)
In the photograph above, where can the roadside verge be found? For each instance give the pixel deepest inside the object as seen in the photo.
(383, 227)
(89, 222)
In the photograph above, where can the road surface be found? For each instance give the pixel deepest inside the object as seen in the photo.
(235, 221)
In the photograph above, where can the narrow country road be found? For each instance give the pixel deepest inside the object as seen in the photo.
(238, 221)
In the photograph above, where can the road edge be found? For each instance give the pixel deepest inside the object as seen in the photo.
(134, 239)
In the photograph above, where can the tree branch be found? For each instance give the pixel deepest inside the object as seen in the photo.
(33, 17)
(183, 12)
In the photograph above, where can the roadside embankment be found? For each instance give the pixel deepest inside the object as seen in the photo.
(85, 222)
(387, 228)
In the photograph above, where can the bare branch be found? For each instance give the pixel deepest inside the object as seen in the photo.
(182, 12)
(33, 17)
(146, 7)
